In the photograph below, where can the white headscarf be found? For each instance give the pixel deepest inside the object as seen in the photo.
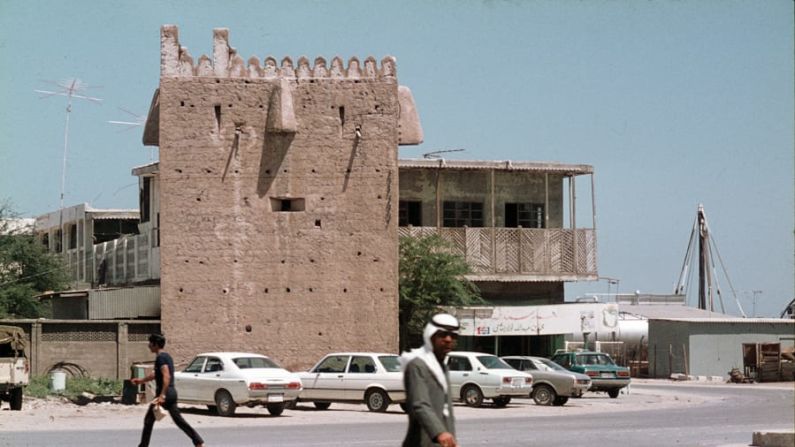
(439, 322)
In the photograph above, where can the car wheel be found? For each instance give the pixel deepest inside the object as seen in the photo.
(560, 401)
(613, 393)
(472, 396)
(544, 395)
(15, 399)
(322, 405)
(225, 404)
(376, 400)
(501, 402)
(276, 409)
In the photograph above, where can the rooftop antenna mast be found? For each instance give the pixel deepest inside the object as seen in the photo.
(706, 250)
(435, 154)
(70, 88)
(137, 121)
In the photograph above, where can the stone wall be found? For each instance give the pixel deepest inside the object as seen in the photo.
(279, 193)
(92, 348)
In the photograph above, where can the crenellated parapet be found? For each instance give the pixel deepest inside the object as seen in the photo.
(175, 61)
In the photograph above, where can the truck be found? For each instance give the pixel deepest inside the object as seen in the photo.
(14, 366)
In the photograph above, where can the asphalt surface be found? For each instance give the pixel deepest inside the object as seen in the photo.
(651, 414)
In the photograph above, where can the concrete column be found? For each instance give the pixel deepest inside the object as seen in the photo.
(35, 343)
(122, 364)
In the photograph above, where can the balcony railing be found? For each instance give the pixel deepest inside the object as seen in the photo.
(539, 254)
(128, 259)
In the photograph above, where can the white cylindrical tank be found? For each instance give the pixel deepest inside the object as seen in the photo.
(631, 331)
(58, 381)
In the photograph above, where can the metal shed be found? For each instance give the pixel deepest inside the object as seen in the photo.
(709, 346)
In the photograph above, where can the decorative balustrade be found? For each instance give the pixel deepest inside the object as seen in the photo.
(553, 253)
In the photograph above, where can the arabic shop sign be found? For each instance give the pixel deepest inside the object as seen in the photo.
(538, 320)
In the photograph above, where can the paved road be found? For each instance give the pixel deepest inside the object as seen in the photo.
(719, 416)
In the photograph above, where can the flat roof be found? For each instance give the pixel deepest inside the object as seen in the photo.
(507, 165)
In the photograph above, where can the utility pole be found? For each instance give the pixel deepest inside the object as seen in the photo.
(69, 89)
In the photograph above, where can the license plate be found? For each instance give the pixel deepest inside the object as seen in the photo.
(517, 382)
(276, 398)
(610, 375)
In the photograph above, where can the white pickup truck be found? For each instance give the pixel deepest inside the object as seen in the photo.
(14, 366)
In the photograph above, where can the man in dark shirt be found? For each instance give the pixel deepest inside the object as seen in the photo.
(163, 376)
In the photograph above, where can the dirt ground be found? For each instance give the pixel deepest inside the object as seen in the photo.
(59, 414)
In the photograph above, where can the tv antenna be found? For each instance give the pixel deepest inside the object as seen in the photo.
(70, 88)
(137, 121)
(435, 154)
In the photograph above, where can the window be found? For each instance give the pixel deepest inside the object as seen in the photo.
(287, 205)
(72, 236)
(361, 364)
(196, 365)
(390, 363)
(562, 360)
(525, 215)
(144, 199)
(254, 362)
(409, 213)
(333, 364)
(58, 241)
(459, 364)
(214, 364)
(462, 214)
(492, 362)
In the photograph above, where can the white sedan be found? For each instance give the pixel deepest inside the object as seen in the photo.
(224, 380)
(369, 377)
(476, 375)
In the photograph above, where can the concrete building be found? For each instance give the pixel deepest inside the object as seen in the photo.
(99, 246)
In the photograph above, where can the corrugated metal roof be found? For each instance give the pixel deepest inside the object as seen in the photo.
(689, 314)
(732, 320)
(116, 215)
(128, 302)
(508, 165)
(667, 311)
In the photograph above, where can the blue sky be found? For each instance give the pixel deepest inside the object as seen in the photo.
(674, 103)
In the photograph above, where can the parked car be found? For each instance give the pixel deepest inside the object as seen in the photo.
(604, 373)
(224, 380)
(475, 376)
(552, 383)
(369, 377)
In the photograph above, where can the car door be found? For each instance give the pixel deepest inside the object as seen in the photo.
(361, 372)
(209, 380)
(188, 379)
(460, 372)
(327, 379)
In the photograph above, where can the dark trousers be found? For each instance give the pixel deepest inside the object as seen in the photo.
(173, 411)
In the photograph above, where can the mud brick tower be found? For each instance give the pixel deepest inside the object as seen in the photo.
(279, 201)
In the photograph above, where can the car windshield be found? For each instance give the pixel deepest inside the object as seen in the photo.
(594, 359)
(493, 362)
(548, 365)
(254, 362)
(390, 362)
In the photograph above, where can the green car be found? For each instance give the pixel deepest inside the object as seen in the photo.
(604, 373)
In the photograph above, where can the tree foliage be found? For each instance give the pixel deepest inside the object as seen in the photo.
(26, 269)
(431, 277)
